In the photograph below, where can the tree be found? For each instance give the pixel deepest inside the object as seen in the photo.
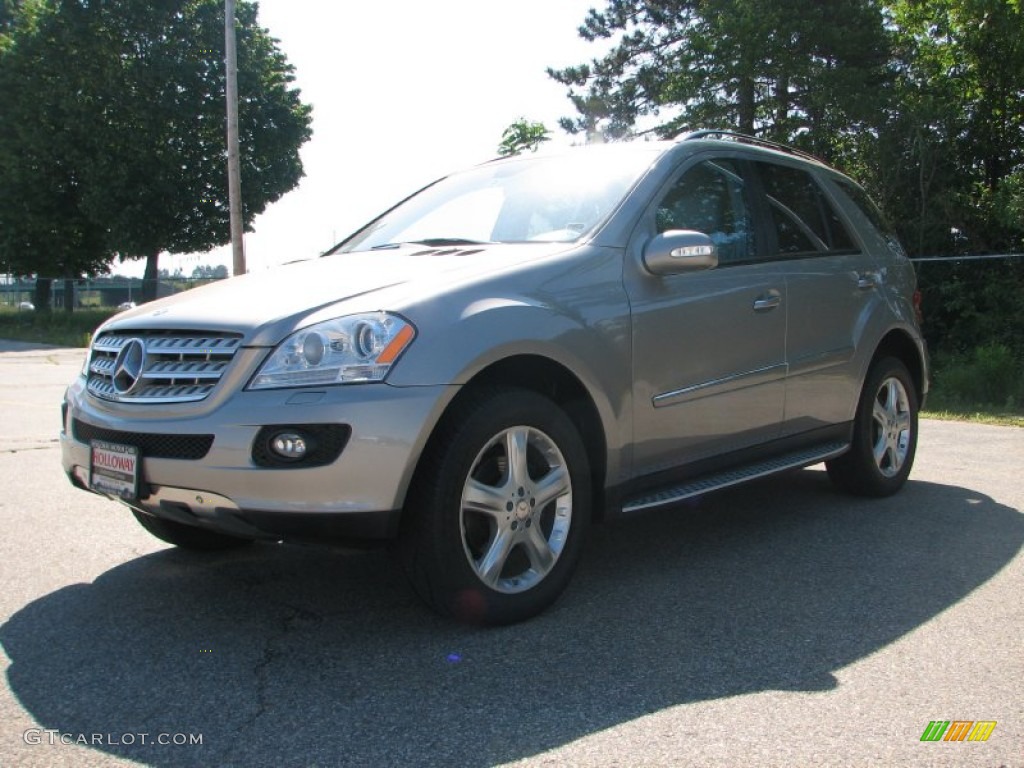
(781, 68)
(960, 124)
(522, 135)
(949, 164)
(207, 272)
(44, 228)
(135, 112)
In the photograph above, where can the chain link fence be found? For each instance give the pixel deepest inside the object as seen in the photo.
(19, 294)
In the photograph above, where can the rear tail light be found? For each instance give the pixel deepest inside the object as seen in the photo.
(918, 314)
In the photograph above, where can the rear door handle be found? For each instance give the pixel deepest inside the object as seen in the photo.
(867, 280)
(767, 301)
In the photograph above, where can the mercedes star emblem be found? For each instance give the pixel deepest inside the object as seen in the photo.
(129, 365)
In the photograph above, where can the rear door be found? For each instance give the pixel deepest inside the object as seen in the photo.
(832, 289)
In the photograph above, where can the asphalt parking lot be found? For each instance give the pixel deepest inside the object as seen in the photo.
(778, 624)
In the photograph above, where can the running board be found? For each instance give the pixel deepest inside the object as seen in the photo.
(718, 480)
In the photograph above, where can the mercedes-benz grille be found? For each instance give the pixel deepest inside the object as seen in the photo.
(159, 367)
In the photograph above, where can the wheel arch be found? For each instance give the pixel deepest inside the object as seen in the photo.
(554, 381)
(901, 345)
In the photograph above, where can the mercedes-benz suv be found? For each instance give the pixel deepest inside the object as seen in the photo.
(512, 353)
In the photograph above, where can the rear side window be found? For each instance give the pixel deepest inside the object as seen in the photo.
(802, 217)
(871, 213)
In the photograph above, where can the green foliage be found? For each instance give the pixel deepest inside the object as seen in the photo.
(783, 68)
(112, 136)
(62, 329)
(1007, 201)
(949, 166)
(206, 271)
(944, 155)
(991, 375)
(43, 223)
(967, 304)
(521, 136)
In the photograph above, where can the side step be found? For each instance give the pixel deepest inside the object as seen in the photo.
(723, 479)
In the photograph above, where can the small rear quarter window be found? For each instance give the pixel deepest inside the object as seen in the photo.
(802, 215)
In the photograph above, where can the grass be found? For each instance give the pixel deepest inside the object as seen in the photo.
(64, 329)
(951, 407)
(985, 385)
(954, 397)
(997, 418)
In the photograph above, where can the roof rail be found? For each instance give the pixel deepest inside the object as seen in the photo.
(743, 138)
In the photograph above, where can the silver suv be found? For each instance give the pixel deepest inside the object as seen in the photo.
(512, 353)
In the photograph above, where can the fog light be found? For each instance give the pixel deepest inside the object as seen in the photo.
(289, 445)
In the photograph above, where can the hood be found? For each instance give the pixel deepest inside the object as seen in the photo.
(264, 306)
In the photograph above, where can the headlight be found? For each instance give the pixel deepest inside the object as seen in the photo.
(358, 348)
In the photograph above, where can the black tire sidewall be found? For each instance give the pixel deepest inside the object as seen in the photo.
(455, 587)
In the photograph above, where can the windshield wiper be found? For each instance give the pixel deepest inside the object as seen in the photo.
(436, 242)
(433, 242)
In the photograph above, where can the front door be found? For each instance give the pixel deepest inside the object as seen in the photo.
(709, 347)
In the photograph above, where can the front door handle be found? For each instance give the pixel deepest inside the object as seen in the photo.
(767, 301)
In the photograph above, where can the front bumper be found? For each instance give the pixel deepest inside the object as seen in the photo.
(358, 495)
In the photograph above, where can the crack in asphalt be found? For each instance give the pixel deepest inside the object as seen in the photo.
(294, 618)
(262, 679)
(49, 446)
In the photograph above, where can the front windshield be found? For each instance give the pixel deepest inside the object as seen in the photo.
(524, 199)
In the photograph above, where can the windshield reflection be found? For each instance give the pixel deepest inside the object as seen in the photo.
(524, 199)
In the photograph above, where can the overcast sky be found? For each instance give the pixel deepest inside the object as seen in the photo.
(402, 92)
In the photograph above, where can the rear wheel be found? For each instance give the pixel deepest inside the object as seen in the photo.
(884, 434)
(497, 514)
(188, 536)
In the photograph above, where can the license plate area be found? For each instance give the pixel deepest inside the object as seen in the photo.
(114, 469)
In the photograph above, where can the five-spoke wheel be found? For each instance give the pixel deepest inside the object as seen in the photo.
(498, 510)
(516, 509)
(884, 434)
(891, 426)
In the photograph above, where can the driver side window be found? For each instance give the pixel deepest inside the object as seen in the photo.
(710, 198)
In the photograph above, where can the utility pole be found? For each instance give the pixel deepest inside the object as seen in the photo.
(234, 170)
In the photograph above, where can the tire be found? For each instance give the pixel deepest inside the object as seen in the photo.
(498, 511)
(884, 434)
(188, 536)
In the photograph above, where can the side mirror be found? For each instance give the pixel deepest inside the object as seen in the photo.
(679, 250)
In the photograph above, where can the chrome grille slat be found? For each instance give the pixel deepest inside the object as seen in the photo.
(103, 366)
(185, 371)
(180, 367)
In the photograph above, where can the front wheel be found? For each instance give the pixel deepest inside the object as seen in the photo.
(498, 511)
(884, 434)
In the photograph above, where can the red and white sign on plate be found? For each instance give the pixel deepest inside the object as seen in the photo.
(114, 469)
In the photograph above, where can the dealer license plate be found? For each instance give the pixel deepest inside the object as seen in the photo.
(114, 469)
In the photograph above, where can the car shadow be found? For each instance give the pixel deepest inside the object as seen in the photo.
(279, 655)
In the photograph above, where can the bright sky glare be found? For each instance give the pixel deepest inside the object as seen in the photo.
(402, 93)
